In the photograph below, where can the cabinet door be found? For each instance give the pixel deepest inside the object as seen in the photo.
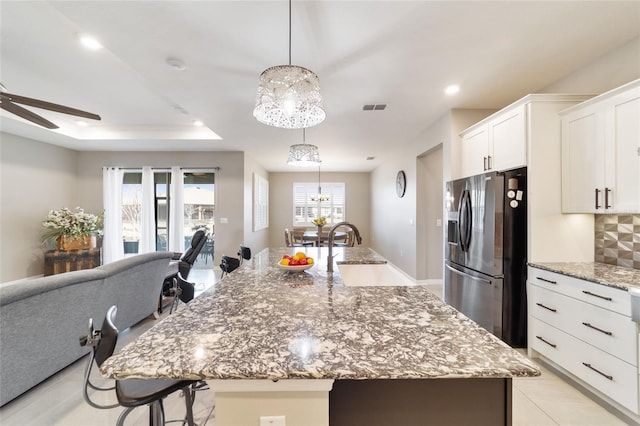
(583, 161)
(622, 166)
(507, 144)
(474, 152)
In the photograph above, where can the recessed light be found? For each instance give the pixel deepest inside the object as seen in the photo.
(90, 42)
(82, 123)
(198, 123)
(452, 89)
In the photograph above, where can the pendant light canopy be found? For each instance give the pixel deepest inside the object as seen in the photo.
(303, 154)
(289, 96)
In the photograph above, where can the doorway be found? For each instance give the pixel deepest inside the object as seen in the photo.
(429, 210)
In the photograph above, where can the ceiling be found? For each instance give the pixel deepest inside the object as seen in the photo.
(398, 53)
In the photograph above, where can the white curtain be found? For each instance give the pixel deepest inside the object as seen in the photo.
(176, 211)
(147, 213)
(112, 247)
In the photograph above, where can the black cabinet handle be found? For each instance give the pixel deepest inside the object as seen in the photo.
(597, 196)
(608, 333)
(547, 308)
(597, 371)
(606, 198)
(546, 280)
(597, 295)
(548, 343)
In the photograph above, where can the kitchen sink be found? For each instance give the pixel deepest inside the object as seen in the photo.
(372, 275)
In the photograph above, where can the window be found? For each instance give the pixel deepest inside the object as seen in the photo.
(307, 205)
(260, 203)
(198, 205)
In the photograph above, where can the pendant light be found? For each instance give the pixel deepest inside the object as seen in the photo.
(289, 95)
(319, 196)
(303, 154)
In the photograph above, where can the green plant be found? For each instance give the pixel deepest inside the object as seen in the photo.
(68, 223)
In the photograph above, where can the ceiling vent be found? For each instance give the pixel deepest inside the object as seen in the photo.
(372, 107)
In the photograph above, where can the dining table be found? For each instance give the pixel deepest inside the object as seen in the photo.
(322, 238)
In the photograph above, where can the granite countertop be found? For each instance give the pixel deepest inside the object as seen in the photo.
(261, 322)
(599, 273)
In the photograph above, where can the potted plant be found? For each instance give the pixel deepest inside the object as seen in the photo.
(320, 222)
(71, 230)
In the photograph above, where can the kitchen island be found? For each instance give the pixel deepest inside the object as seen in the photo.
(361, 354)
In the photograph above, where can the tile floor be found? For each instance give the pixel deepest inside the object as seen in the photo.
(539, 401)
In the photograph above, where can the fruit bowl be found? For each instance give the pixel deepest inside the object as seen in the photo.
(295, 268)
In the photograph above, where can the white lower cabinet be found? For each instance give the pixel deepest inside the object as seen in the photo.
(592, 337)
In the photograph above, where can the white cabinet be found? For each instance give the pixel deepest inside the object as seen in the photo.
(601, 153)
(586, 329)
(498, 143)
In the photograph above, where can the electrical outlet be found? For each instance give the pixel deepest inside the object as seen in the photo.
(272, 421)
(401, 253)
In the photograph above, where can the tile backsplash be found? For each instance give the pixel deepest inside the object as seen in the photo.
(617, 240)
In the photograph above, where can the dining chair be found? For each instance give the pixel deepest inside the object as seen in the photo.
(131, 393)
(291, 242)
(350, 241)
(297, 238)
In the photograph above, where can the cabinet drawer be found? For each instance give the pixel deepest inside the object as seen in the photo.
(610, 298)
(609, 331)
(613, 377)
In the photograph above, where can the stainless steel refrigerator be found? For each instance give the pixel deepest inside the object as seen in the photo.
(486, 252)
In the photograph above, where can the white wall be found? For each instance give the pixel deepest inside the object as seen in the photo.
(34, 178)
(358, 197)
(258, 240)
(611, 70)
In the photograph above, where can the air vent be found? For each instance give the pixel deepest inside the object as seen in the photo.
(371, 158)
(374, 107)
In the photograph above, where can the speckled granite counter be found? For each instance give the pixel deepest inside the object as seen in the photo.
(260, 322)
(600, 273)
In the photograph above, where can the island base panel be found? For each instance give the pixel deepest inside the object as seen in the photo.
(246, 408)
(451, 402)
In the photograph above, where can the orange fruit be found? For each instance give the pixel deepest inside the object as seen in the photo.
(284, 262)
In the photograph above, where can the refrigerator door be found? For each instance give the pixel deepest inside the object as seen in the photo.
(484, 251)
(476, 295)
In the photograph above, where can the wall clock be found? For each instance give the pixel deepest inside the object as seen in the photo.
(401, 183)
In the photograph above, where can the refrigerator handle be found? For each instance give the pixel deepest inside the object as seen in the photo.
(458, 271)
(464, 220)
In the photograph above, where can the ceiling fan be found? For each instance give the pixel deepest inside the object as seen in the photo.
(8, 102)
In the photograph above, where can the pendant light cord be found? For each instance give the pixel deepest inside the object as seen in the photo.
(289, 32)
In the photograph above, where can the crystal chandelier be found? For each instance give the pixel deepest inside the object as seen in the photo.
(303, 154)
(289, 95)
(319, 196)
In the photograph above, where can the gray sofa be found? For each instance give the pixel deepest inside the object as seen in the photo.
(41, 319)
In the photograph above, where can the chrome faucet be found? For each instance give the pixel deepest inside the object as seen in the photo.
(331, 237)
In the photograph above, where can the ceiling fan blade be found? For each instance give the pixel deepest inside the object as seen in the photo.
(26, 114)
(48, 105)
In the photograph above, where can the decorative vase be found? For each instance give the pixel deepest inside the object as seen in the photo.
(319, 228)
(67, 242)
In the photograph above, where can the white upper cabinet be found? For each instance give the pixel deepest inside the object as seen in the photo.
(495, 144)
(601, 153)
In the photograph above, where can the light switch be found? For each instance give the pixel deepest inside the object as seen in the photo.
(224, 220)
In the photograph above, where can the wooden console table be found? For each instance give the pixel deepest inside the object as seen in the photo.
(57, 261)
